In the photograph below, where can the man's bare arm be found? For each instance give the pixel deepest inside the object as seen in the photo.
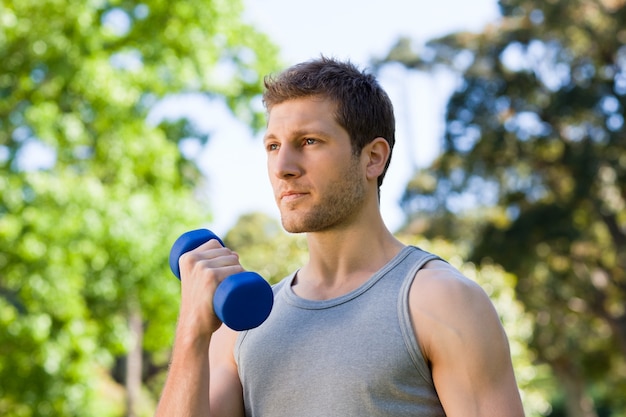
(461, 336)
(226, 396)
(187, 388)
(186, 391)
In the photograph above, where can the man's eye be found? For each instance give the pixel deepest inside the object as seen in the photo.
(310, 141)
(272, 147)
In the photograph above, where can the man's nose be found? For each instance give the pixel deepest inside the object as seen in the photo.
(285, 163)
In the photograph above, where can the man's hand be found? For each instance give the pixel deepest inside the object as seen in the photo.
(202, 270)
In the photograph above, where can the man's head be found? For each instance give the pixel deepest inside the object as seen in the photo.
(363, 108)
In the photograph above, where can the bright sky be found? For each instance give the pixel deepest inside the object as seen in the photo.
(348, 29)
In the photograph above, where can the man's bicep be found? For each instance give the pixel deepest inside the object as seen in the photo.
(467, 348)
(225, 392)
(474, 372)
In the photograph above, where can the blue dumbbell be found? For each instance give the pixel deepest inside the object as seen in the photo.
(242, 301)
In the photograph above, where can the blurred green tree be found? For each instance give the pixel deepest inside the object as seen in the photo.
(92, 195)
(535, 151)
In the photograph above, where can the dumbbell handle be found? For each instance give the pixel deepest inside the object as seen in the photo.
(242, 301)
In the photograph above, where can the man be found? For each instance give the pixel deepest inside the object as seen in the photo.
(368, 326)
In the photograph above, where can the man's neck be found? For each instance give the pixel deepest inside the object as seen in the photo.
(342, 260)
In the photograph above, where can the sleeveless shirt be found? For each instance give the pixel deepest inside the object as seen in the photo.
(354, 355)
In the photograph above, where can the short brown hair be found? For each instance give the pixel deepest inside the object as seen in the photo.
(364, 109)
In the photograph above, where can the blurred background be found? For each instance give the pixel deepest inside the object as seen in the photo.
(124, 123)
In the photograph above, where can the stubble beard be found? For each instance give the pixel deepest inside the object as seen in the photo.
(339, 204)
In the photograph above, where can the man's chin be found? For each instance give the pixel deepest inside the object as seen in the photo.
(290, 228)
(292, 225)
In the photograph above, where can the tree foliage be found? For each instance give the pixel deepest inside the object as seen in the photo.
(535, 148)
(92, 196)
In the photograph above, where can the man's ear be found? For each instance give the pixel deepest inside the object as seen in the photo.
(377, 153)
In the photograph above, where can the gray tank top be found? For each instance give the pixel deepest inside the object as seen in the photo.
(355, 355)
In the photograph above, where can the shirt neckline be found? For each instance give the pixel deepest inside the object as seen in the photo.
(295, 300)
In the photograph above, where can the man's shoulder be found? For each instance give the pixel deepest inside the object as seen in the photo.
(438, 278)
(445, 296)
(443, 301)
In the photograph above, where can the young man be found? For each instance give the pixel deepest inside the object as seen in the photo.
(368, 326)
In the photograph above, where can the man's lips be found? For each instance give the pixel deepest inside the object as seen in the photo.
(288, 196)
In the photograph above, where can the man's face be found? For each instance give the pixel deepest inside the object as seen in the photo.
(318, 183)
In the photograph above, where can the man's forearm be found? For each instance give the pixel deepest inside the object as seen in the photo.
(186, 391)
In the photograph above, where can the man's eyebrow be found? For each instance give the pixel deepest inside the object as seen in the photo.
(299, 134)
(267, 137)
